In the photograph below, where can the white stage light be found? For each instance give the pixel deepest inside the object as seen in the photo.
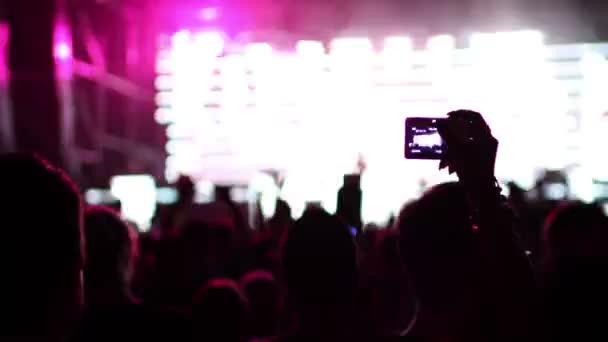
(351, 48)
(310, 49)
(264, 186)
(180, 39)
(396, 53)
(210, 43)
(506, 40)
(397, 47)
(163, 82)
(94, 196)
(258, 53)
(163, 99)
(137, 195)
(441, 43)
(163, 116)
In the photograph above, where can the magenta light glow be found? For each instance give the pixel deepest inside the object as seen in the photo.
(62, 51)
(62, 41)
(209, 14)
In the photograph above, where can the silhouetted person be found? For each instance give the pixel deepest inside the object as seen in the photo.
(186, 262)
(348, 207)
(111, 310)
(111, 246)
(262, 291)
(438, 247)
(576, 241)
(220, 312)
(281, 220)
(179, 213)
(320, 270)
(472, 280)
(41, 252)
(392, 306)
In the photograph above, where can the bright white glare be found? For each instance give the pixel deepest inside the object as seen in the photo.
(397, 46)
(555, 191)
(210, 43)
(163, 99)
(396, 53)
(162, 82)
(507, 40)
(441, 43)
(94, 196)
(204, 191)
(258, 52)
(137, 195)
(166, 195)
(180, 39)
(181, 164)
(248, 122)
(264, 185)
(181, 147)
(163, 116)
(594, 119)
(351, 48)
(310, 49)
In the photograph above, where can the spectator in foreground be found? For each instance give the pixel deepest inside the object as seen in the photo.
(472, 280)
(112, 312)
(262, 292)
(41, 254)
(575, 237)
(111, 246)
(220, 312)
(179, 213)
(321, 274)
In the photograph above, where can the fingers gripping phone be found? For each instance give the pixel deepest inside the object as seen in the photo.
(422, 139)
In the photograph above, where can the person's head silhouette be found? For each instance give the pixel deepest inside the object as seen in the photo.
(220, 312)
(41, 252)
(320, 269)
(438, 249)
(262, 292)
(576, 230)
(111, 246)
(575, 237)
(186, 189)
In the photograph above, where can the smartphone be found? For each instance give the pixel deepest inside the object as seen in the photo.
(422, 139)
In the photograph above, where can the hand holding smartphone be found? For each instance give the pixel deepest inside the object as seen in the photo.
(422, 139)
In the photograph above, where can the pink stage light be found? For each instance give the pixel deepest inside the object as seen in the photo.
(62, 41)
(209, 14)
(62, 51)
(211, 43)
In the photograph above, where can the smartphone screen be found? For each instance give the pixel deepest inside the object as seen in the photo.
(422, 139)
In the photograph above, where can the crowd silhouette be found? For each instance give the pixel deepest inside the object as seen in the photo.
(461, 263)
